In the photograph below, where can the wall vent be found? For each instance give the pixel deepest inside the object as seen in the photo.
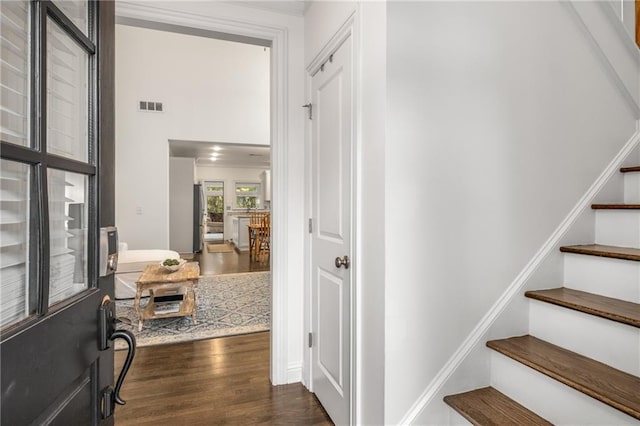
(150, 106)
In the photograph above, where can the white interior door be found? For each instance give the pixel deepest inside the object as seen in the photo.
(332, 144)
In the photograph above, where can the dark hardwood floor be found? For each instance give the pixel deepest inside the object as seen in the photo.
(228, 263)
(222, 381)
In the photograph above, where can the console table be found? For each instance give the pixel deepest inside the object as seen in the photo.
(160, 282)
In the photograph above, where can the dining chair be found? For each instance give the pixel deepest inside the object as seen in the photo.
(263, 239)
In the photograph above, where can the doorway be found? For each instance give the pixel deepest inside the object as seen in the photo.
(222, 192)
(285, 38)
(214, 216)
(332, 206)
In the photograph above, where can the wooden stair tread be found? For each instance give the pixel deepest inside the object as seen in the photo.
(626, 253)
(613, 387)
(488, 406)
(593, 304)
(630, 169)
(615, 206)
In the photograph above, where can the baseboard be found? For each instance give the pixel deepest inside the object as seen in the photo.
(294, 372)
(515, 288)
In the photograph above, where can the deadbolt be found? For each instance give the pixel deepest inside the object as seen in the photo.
(343, 261)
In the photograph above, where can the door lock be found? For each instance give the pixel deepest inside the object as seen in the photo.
(108, 250)
(343, 261)
(107, 334)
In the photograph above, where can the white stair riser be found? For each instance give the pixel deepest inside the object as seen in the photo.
(632, 188)
(618, 228)
(600, 275)
(615, 344)
(549, 398)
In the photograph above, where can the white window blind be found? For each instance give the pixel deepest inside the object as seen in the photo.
(67, 230)
(14, 242)
(67, 135)
(14, 72)
(14, 177)
(67, 95)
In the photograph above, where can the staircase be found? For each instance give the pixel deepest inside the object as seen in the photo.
(580, 363)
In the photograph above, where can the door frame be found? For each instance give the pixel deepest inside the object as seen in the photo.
(350, 28)
(203, 182)
(279, 89)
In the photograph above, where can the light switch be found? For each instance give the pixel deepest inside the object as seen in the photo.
(138, 209)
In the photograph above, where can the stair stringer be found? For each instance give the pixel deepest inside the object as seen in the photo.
(469, 366)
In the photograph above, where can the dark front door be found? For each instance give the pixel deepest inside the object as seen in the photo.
(56, 191)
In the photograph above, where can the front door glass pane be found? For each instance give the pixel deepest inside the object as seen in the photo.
(14, 72)
(68, 213)
(215, 200)
(76, 11)
(15, 211)
(67, 95)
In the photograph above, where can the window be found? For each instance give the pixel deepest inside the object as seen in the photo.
(47, 156)
(214, 191)
(247, 195)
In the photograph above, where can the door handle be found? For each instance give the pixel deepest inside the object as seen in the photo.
(108, 334)
(128, 337)
(343, 261)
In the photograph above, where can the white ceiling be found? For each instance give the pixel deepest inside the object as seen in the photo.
(226, 154)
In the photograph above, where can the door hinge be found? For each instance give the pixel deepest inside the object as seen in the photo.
(310, 340)
(310, 226)
(309, 110)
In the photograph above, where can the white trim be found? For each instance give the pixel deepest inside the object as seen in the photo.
(354, 392)
(307, 315)
(278, 35)
(515, 288)
(348, 29)
(332, 45)
(279, 216)
(168, 195)
(294, 372)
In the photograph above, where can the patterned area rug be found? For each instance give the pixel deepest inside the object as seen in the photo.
(227, 305)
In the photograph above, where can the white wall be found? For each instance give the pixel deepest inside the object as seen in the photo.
(499, 118)
(181, 180)
(371, 211)
(228, 175)
(211, 90)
